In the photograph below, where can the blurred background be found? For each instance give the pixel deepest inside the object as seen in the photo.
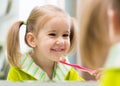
(13, 10)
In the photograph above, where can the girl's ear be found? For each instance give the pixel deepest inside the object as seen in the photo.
(31, 40)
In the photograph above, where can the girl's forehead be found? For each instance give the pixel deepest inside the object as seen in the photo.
(58, 22)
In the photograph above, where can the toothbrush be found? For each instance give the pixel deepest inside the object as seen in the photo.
(77, 66)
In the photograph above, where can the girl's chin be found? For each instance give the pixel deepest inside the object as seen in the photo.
(55, 59)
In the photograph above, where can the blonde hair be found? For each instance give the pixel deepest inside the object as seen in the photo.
(93, 32)
(38, 17)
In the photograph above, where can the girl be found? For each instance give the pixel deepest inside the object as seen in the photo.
(50, 33)
(93, 35)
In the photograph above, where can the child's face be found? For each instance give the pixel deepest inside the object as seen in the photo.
(53, 39)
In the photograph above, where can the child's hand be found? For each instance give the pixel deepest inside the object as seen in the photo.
(97, 73)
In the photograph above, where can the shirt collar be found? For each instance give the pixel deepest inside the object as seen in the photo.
(29, 67)
(113, 57)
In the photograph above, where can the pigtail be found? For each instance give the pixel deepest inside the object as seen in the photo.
(13, 45)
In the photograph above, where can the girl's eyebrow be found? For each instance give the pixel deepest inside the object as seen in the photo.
(52, 31)
(67, 31)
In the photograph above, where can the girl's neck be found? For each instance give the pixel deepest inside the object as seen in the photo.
(46, 64)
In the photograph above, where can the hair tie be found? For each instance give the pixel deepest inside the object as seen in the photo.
(25, 22)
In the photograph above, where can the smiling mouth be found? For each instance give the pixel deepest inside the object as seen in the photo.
(58, 50)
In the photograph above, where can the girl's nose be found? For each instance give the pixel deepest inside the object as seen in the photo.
(60, 41)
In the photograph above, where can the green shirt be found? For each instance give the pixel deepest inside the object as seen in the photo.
(111, 73)
(16, 74)
(30, 71)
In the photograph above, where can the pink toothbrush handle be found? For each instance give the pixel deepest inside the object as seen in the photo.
(77, 66)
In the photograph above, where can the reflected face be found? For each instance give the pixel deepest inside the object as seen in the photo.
(54, 39)
(114, 27)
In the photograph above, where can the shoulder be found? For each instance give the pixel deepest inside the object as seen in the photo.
(73, 75)
(16, 74)
(13, 74)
